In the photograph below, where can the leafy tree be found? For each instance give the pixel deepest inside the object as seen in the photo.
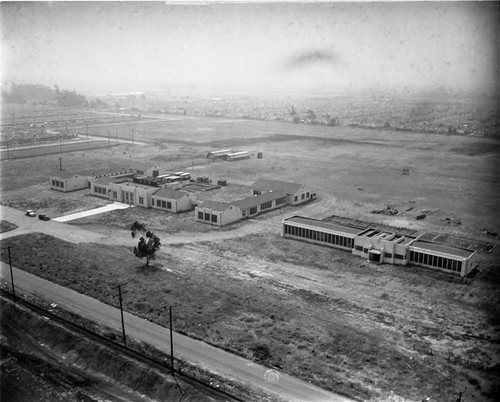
(311, 116)
(148, 244)
(98, 104)
(294, 114)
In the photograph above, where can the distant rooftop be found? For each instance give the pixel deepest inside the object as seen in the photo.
(215, 205)
(325, 225)
(267, 185)
(253, 201)
(460, 252)
(167, 192)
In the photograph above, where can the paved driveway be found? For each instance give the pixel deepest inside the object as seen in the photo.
(94, 211)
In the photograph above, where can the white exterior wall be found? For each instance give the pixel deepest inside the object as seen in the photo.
(384, 246)
(129, 194)
(94, 190)
(74, 183)
(230, 215)
(302, 191)
(177, 205)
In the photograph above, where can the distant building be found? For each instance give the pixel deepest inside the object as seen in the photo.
(237, 156)
(171, 200)
(145, 169)
(66, 181)
(128, 192)
(217, 213)
(221, 154)
(101, 185)
(379, 246)
(296, 193)
(267, 195)
(254, 205)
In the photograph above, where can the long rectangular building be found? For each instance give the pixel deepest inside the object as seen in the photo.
(380, 246)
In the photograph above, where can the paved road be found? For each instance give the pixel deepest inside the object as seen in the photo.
(191, 350)
(206, 356)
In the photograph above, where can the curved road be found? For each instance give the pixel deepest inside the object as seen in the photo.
(188, 349)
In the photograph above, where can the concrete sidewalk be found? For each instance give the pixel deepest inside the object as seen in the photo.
(90, 212)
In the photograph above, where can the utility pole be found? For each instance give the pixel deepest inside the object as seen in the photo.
(171, 342)
(60, 164)
(11, 276)
(60, 142)
(121, 309)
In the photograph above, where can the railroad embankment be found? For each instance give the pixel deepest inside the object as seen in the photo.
(61, 364)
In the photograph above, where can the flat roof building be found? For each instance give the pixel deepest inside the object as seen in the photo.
(381, 246)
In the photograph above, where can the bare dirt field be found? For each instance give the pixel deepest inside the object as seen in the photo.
(323, 315)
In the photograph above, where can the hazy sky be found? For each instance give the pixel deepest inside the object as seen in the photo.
(127, 46)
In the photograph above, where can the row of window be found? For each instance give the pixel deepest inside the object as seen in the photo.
(128, 197)
(266, 205)
(163, 204)
(207, 217)
(435, 261)
(57, 183)
(302, 196)
(319, 236)
(386, 255)
(100, 190)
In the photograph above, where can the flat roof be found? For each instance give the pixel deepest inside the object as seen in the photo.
(325, 225)
(139, 185)
(440, 248)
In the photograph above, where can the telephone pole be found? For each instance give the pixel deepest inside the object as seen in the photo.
(119, 286)
(171, 342)
(11, 274)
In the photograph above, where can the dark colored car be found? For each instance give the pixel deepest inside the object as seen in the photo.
(43, 217)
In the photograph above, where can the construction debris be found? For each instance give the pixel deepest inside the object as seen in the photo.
(386, 211)
(452, 221)
(489, 232)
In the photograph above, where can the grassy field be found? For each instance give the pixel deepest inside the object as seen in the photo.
(344, 324)
(322, 315)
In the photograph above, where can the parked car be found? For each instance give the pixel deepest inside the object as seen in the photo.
(30, 212)
(43, 217)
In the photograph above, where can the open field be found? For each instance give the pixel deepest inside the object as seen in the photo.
(344, 324)
(323, 315)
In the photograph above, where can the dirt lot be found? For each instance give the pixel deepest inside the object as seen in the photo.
(323, 315)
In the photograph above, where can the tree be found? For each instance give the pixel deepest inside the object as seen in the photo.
(148, 244)
(311, 116)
